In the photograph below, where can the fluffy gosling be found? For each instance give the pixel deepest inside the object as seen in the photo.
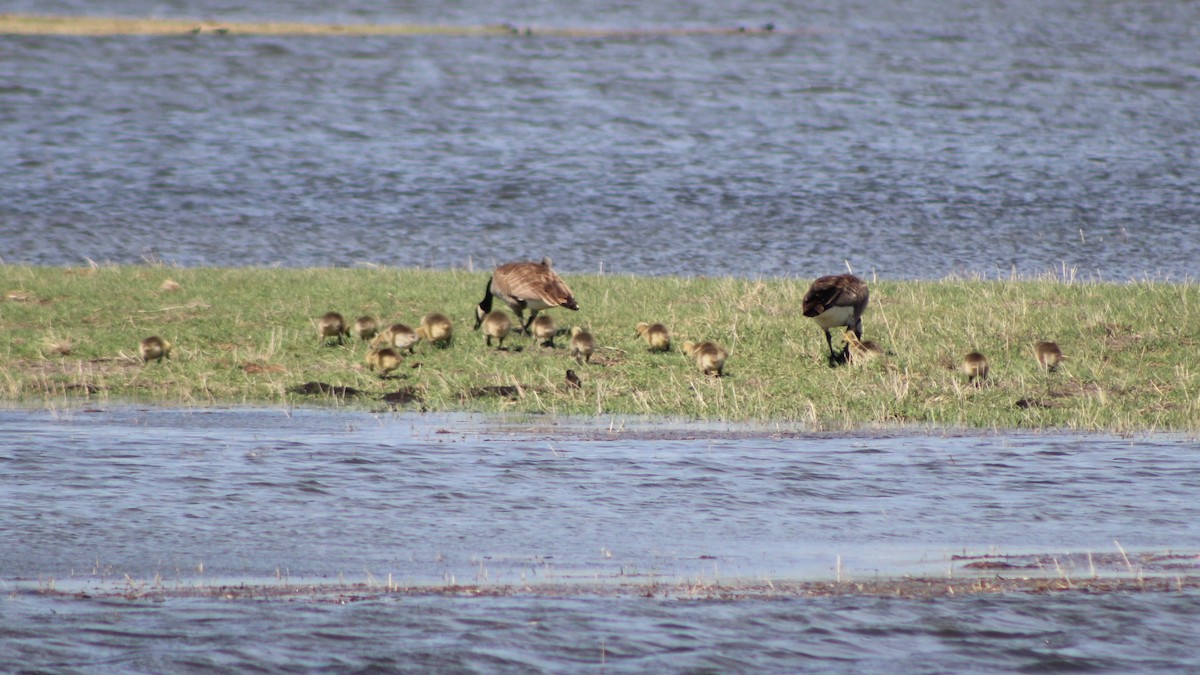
(709, 357)
(384, 360)
(655, 335)
(544, 330)
(496, 325)
(366, 327)
(436, 329)
(861, 351)
(975, 367)
(154, 348)
(399, 336)
(583, 345)
(1048, 355)
(332, 324)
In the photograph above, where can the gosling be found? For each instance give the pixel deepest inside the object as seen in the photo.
(399, 336)
(544, 330)
(573, 381)
(1048, 355)
(861, 351)
(496, 325)
(975, 367)
(366, 327)
(709, 357)
(436, 329)
(154, 348)
(655, 335)
(384, 360)
(331, 324)
(583, 345)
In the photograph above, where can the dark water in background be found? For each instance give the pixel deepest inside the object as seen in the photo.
(313, 496)
(914, 139)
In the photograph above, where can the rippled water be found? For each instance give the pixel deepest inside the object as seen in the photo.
(914, 139)
(96, 501)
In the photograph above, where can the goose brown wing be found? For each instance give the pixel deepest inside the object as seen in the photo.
(531, 281)
(842, 290)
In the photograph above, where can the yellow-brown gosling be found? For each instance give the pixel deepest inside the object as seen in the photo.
(975, 367)
(1048, 355)
(437, 329)
(399, 336)
(331, 324)
(496, 325)
(366, 327)
(861, 351)
(655, 335)
(583, 345)
(573, 381)
(384, 360)
(837, 300)
(544, 330)
(154, 348)
(709, 357)
(525, 285)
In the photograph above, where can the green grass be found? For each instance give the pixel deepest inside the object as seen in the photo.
(247, 335)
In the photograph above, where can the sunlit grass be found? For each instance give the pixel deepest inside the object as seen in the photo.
(248, 335)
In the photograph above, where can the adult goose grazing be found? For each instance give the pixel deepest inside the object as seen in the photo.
(525, 285)
(836, 300)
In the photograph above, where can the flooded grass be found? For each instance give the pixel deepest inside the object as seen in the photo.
(249, 335)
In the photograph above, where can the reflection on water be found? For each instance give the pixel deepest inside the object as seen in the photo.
(856, 132)
(94, 500)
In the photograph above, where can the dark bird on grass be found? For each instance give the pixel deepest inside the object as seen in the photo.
(154, 348)
(583, 345)
(496, 325)
(655, 335)
(332, 324)
(573, 381)
(837, 300)
(1048, 355)
(525, 285)
(975, 367)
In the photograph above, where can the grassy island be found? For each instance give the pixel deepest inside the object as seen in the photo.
(249, 336)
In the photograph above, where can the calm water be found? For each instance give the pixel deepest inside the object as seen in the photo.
(96, 500)
(914, 139)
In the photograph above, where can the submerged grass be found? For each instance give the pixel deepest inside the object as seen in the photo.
(249, 335)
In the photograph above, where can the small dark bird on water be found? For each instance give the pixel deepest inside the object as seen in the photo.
(573, 381)
(837, 300)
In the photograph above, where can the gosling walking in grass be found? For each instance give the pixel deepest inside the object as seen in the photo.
(975, 367)
(861, 352)
(655, 335)
(525, 285)
(366, 327)
(709, 357)
(1048, 355)
(154, 348)
(583, 345)
(837, 300)
(332, 324)
(383, 360)
(496, 325)
(544, 330)
(436, 329)
(399, 336)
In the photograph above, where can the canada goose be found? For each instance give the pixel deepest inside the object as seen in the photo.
(573, 381)
(656, 336)
(544, 330)
(437, 329)
(331, 324)
(384, 360)
(583, 345)
(399, 336)
(836, 300)
(154, 348)
(709, 357)
(525, 285)
(496, 325)
(366, 327)
(975, 367)
(1048, 355)
(861, 351)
